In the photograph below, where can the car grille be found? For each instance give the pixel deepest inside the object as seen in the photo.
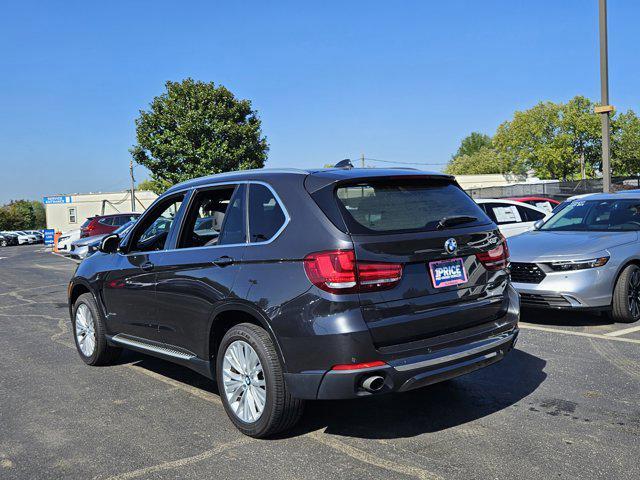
(549, 301)
(526, 273)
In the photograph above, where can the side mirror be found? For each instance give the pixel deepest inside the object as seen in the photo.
(538, 224)
(110, 243)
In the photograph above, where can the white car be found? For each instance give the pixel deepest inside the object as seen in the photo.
(512, 218)
(65, 240)
(23, 238)
(31, 238)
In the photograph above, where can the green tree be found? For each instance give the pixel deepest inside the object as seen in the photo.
(472, 144)
(625, 144)
(196, 129)
(40, 214)
(484, 161)
(18, 215)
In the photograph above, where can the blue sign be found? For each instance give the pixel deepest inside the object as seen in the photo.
(57, 199)
(49, 233)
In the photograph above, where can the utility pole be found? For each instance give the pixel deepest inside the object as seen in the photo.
(133, 187)
(605, 109)
(362, 160)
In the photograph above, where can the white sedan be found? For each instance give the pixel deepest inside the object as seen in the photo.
(512, 218)
(23, 238)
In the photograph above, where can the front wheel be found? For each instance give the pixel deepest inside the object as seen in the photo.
(626, 296)
(89, 333)
(251, 383)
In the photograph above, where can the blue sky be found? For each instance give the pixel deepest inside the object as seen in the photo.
(398, 81)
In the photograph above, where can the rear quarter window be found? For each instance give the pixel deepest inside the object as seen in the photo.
(404, 205)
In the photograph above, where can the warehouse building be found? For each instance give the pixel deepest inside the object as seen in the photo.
(68, 212)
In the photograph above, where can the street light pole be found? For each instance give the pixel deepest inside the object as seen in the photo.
(605, 109)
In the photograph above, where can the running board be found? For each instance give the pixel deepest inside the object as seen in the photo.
(170, 352)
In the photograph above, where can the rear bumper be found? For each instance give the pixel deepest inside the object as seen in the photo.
(462, 352)
(420, 371)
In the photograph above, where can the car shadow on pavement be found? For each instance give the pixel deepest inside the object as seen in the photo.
(564, 318)
(430, 409)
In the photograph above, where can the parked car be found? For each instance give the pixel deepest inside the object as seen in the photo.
(66, 239)
(513, 218)
(39, 235)
(7, 239)
(32, 237)
(325, 284)
(85, 247)
(585, 256)
(544, 203)
(103, 224)
(23, 238)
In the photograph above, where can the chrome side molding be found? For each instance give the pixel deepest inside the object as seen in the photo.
(130, 342)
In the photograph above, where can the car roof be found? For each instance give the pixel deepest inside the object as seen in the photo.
(530, 198)
(321, 175)
(610, 196)
(507, 201)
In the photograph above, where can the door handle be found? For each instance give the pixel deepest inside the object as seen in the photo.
(147, 266)
(223, 261)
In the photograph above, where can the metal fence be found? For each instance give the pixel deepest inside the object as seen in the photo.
(556, 190)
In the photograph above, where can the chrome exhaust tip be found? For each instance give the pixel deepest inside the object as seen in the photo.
(373, 383)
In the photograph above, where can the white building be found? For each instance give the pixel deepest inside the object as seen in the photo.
(68, 212)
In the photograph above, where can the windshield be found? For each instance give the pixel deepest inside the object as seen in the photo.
(124, 228)
(596, 215)
(406, 205)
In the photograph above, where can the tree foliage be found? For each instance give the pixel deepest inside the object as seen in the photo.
(472, 143)
(196, 129)
(555, 140)
(22, 215)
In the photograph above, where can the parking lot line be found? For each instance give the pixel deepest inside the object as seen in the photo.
(182, 462)
(375, 460)
(618, 333)
(578, 334)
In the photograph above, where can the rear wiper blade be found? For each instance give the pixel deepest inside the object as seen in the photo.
(446, 222)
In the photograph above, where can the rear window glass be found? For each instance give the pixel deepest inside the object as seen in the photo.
(405, 206)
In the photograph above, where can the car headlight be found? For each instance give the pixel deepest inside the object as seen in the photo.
(566, 266)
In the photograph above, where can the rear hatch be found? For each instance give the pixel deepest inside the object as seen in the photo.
(451, 255)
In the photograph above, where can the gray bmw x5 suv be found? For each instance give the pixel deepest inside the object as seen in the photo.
(318, 284)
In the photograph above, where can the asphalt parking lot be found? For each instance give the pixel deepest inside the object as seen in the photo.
(564, 404)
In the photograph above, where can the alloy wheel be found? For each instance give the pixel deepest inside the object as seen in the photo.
(634, 294)
(244, 383)
(85, 330)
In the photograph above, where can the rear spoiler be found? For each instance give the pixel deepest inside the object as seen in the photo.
(319, 180)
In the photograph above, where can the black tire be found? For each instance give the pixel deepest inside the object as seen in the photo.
(103, 353)
(281, 411)
(626, 296)
(3, 242)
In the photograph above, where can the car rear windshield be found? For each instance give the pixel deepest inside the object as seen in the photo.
(86, 223)
(406, 206)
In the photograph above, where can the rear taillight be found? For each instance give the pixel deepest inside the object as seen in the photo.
(337, 271)
(497, 258)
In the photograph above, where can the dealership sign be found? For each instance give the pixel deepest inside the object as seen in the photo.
(57, 199)
(49, 235)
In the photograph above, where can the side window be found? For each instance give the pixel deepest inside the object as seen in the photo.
(503, 213)
(152, 233)
(529, 214)
(216, 217)
(106, 221)
(265, 214)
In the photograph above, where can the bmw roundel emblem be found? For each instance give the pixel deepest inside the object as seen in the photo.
(451, 245)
